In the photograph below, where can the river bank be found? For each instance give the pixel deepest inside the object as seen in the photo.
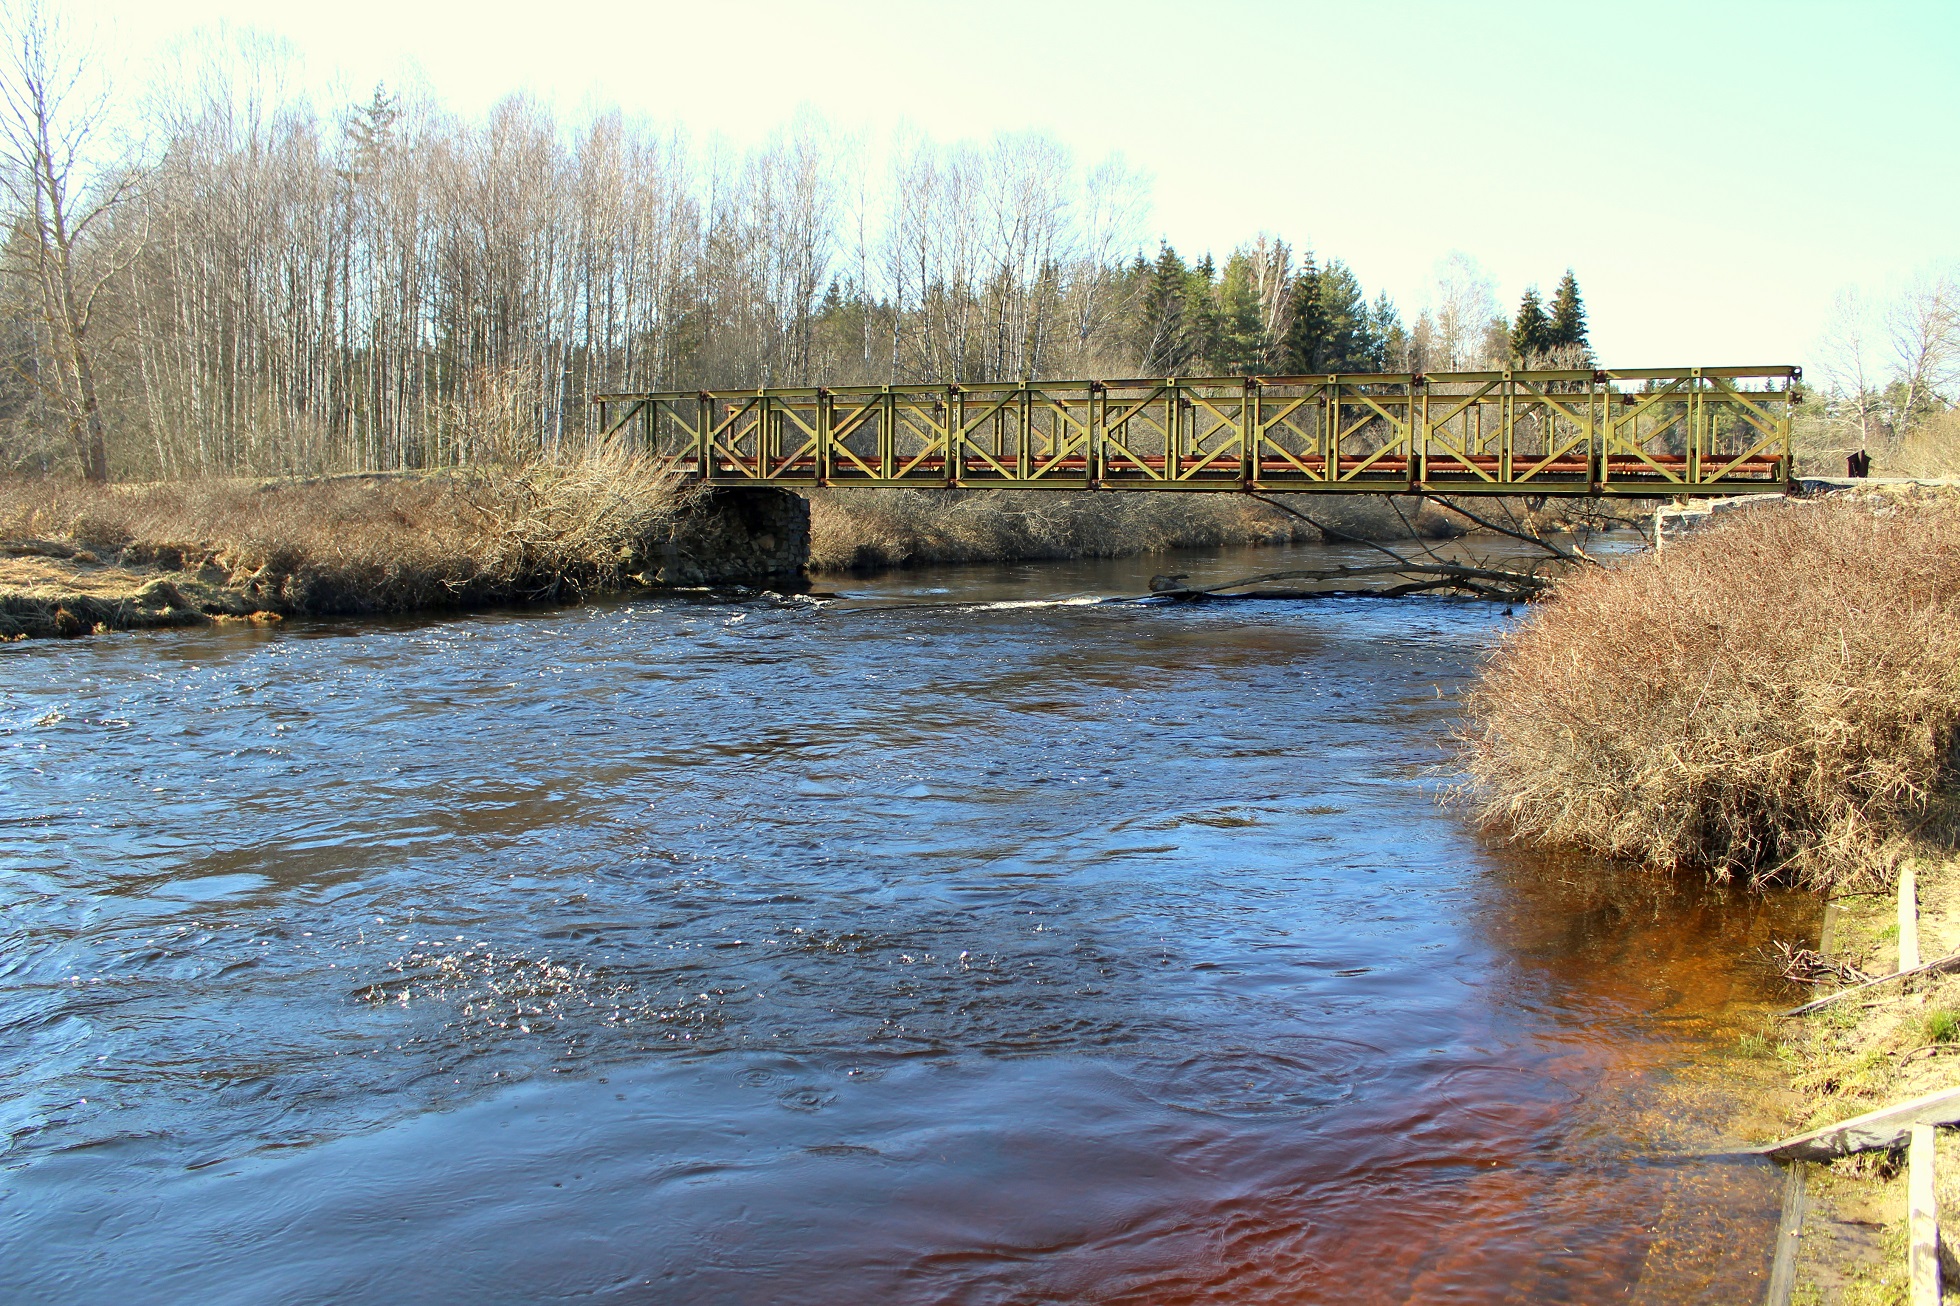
(77, 559)
(1890, 1044)
(859, 531)
(1771, 698)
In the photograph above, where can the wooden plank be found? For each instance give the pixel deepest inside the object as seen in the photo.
(1783, 1265)
(1946, 963)
(1923, 1215)
(1885, 1127)
(1908, 920)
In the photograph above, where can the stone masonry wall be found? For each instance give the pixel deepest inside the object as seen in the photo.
(737, 535)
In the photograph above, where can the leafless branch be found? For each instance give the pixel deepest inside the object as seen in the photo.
(1328, 531)
(1568, 555)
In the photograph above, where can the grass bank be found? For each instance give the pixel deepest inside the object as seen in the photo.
(76, 557)
(1885, 1045)
(1774, 696)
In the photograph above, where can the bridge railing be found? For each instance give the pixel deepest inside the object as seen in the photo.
(1657, 431)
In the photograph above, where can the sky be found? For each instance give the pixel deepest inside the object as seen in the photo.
(1715, 173)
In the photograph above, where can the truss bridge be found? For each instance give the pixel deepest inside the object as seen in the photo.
(1645, 432)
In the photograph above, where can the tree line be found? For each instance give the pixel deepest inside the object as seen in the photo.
(1891, 365)
(266, 288)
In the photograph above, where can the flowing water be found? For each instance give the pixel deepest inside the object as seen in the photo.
(958, 941)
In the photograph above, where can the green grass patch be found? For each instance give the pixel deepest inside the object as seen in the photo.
(1941, 1025)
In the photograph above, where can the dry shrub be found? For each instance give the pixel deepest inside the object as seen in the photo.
(855, 529)
(1931, 449)
(1775, 696)
(372, 543)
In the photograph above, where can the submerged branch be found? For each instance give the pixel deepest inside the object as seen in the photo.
(1420, 577)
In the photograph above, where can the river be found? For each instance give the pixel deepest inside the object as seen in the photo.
(958, 940)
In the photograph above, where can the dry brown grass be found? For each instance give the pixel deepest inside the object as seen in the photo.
(1775, 696)
(1930, 450)
(368, 544)
(863, 529)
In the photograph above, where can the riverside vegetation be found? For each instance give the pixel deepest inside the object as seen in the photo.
(861, 529)
(1775, 697)
(77, 557)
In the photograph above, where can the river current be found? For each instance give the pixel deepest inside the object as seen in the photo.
(961, 939)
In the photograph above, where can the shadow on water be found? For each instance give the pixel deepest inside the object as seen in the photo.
(663, 951)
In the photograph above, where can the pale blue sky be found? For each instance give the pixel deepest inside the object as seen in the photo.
(1716, 172)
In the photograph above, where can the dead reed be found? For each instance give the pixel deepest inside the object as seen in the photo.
(369, 543)
(1776, 696)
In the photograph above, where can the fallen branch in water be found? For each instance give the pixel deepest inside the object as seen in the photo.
(1808, 966)
(1491, 583)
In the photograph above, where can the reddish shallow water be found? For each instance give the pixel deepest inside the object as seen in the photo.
(689, 953)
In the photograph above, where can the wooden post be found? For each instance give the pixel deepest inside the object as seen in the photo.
(1908, 920)
(1922, 1212)
(1783, 1261)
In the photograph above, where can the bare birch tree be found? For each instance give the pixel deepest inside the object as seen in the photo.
(1924, 330)
(1465, 308)
(1848, 367)
(66, 186)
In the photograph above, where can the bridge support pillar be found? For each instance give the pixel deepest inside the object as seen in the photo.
(735, 535)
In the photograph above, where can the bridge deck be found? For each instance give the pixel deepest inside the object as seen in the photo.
(1687, 431)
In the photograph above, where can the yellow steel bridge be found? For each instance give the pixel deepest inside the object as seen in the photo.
(1649, 431)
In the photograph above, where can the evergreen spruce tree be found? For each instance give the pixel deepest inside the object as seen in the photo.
(1388, 343)
(370, 130)
(1135, 295)
(1161, 337)
(1346, 345)
(1531, 332)
(1243, 342)
(1568, 321)
(1306, 323)
(1204, 324)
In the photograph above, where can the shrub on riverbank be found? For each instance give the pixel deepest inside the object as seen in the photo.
(1777, 695)
(366, 543)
